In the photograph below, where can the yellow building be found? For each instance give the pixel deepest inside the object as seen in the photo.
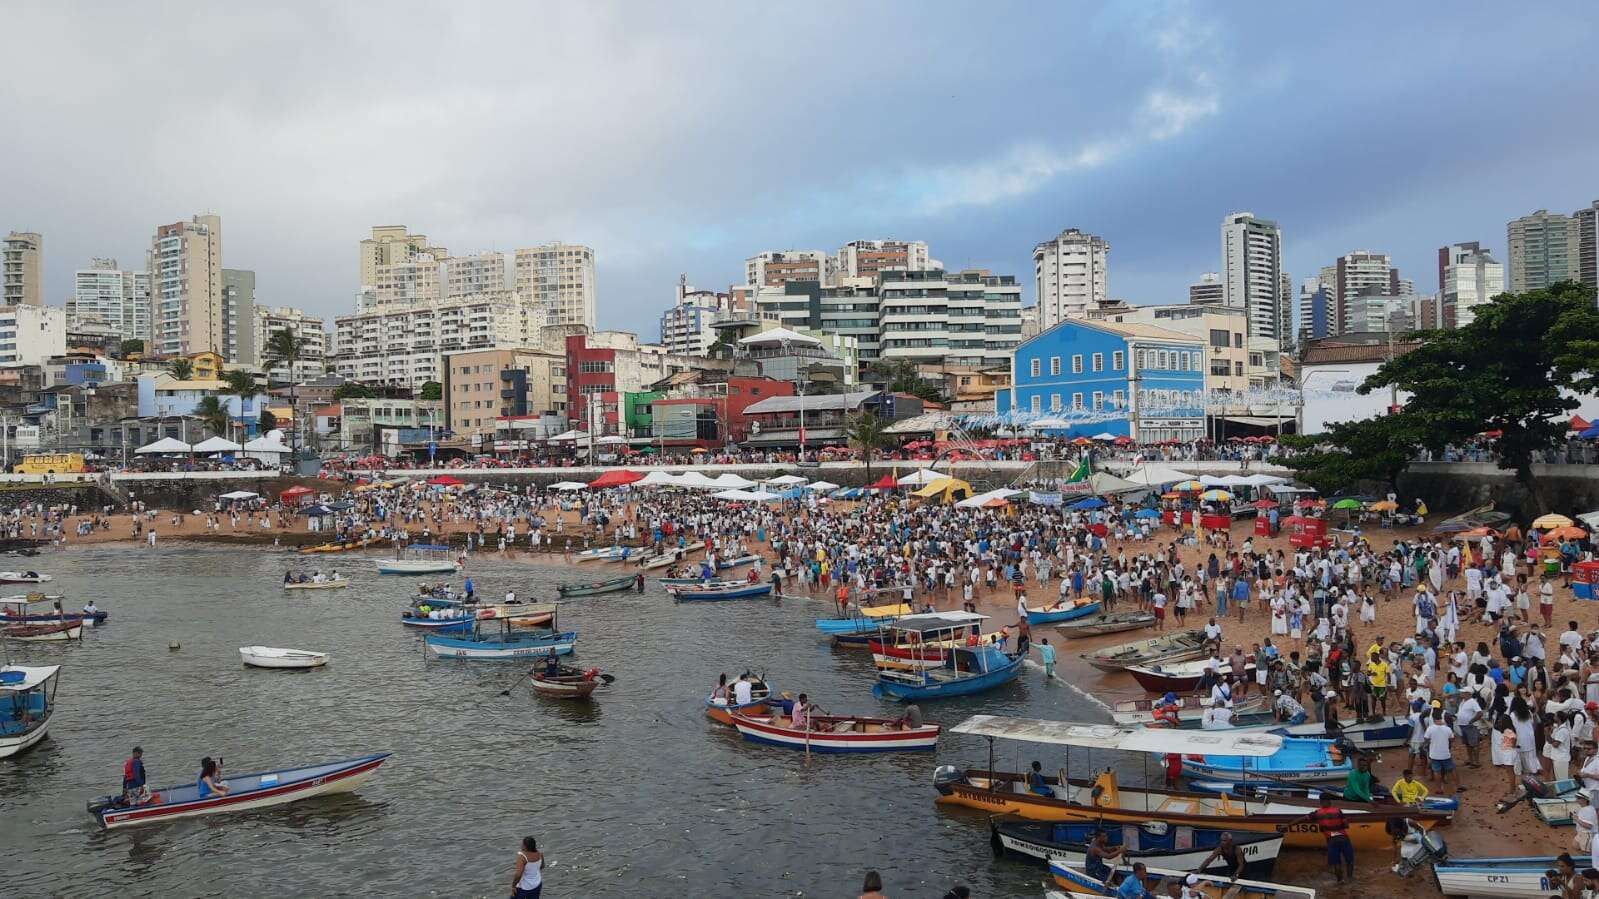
(207, 366)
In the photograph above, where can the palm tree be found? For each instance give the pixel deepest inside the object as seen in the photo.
(241, 384)
(865, 431)
(181, 368)
(285, 348)
(214, 414)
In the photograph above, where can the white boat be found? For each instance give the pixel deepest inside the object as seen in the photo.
(670, 557)
(27, 700)
(423, 559)
(48, 632)
(24, 577)
(273, 657)
(1515, 878)
(603, 554)
(336, 584)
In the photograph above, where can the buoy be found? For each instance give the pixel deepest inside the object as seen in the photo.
(174, 646)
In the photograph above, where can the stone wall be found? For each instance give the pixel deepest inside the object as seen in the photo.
(1455, 486)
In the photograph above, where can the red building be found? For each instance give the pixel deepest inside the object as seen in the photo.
(591, 377)
(712, 413)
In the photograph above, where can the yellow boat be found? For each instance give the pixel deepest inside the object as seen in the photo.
(338, 547)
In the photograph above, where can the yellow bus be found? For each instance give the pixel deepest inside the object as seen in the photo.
(50, 463)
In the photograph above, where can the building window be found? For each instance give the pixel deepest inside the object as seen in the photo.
(1238, 340)
(1118, 400)
(1054, 365)
(1038, 403)
(1054, 402)
(1116, 360)
(1099, 362)
(1077, 402)
(1077, 364)
(1099, 400)
(1238, 369)
(1032, 368)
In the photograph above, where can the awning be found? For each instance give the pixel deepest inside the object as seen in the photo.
(1126, 739)
(813, 436)
(1255, 421)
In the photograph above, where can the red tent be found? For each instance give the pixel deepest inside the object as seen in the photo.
(1577, 424)
(446, 480)
(294, 494)
(616, 478)
(886, 482)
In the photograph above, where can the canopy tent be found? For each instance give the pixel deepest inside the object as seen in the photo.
(1591, 519)
(1155, 474)
(1093, 502)
(263, 447)
(1104, 435)
(886, 482)
(922, 476)
(569, 486)
(1210, 480)
(821, 485)
(610, 439)
(1044, 424)
(1102, 483)
(1258, 480)
(778, 335)
(617, 478)
(239, 494)
(217, 445)
(1591, 433)
(847, 493)
(786, 480)
(295, 493)
(764, 495)
(981, 500)
(945, 489)
(569, 435)
(1578, 423)
(742, 496)
(660, 478)
(699, 481)
(732, 481)
(163, 446)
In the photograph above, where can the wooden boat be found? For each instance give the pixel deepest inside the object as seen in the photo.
(1179, 677)
(334, 584)
(670, 557)
(1080, 883)
(24, 577)
(570, 683)
(245, 793)
(449, 617)
(1069, 610)
(426, 559)
(1513, 876)
(495, 635)
(47, 632)
(711, 594)
(1104, 799)
(613, 585)
(973, 667)
(916, 656)
(722, 710)
(1266, 791)
(346, 546)
(1169, 648)
(1106, 623)
(864, 619)
(1137, 712)
(1181, 848)
(836, 733)
(670, 582)
(1300, 760)
(274, 657)
(1379, 733)
(739, 562)
(604, 554)
(37, 608)
(1557, 807)
(27, 702)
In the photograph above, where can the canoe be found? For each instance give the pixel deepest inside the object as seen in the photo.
(449, 619)
(500, 647)
(1080, 883)
(1169, 648)
(721, 710)
(661, 560)
(11, 616)
(1181, 848)
(48, 632)
(245, 793)
(338, 547)
(670, 582)
(1106, 623)
(1524, 876)
(24, 577)
(1068, 611)
(273, 657)
(1133, 712)
(339, 584)
(1300, 760)
(837, 733)
(417, 566)
(1264, 791)
(738, 562)
(1104, 799)
(613, 585)
(603, 554)
(704, 594)
(571, 683)
(1178, 677)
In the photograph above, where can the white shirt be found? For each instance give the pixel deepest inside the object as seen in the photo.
(1213, 631)
(1470, 709)
(1217, 717)
(1437, 737)
(741, 692)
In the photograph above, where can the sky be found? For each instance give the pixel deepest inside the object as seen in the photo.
(683, 137)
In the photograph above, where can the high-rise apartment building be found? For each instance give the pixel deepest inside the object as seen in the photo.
(238, 317)
(105, 295)
(1251, 273)
(1207, 291)
(1467, 278)
(185, 264)
(1285, 313)
(866, 258)
(1315, 308)
(1070, 271)
(467, 275)
(403, 345)
(407, 283)
(31, 334)
(1588, 247)
(559, 277)
(1544, 250)
(313, 342)
(390, 244)
(1361, 273)
(687, 327)
(775, 267)
(22, 269)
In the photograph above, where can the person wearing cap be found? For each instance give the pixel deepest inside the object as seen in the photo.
(1586, 822)
(1286, 708)
(134, 791)
(1440, 754)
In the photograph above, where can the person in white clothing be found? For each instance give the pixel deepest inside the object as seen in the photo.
(743, 690)
(528, 881)
(1585, 821)
(1217, 717)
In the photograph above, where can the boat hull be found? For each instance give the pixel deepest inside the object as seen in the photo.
(438, 625)
(1109, 623)
(1036, 617)
(930, 688)
(1514, 878)
(1023, 840)
(766, 731)
(43, 633)
(615, 585)
(19, 743)
(341, 780)
(722, 713)
(565, 687)
(295, 660)
(52, 618)
(412, 567)
(1154, 651)
(454, 648)
(714, 595)
(339, 584)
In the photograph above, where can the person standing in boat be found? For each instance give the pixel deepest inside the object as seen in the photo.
(552, 666)
(211, 781)
(528, 881)
(134, 791)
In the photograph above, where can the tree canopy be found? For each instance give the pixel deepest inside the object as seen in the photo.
(431, 390)
(130, 346)
(214, 414)
(865, 431)
(353, 391)
(181, 368)
(902, 376)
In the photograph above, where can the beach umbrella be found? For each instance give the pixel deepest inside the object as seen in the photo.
(445, 480)
(295, 493)
(616, 478)
(1189, 486)
(1578, 423)
(1146, 513)
(1385, 506)
(1347, 504)
(1216, 496)
(1093, 502)
(1264, 504)
(1551, 521)
(1082, 441)
(1474, 533)
(1123, 440)
(1568, 532)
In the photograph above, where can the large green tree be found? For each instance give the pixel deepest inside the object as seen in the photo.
(1515, 369)
(241, 384)
(431, 390)
(1372, 449)
(866, 432)
(286, 348)
(214, 414)
(902, 376)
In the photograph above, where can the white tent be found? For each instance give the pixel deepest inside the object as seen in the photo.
(981, 499)
(778, 335)
(1103, 435)
(743, 496)
(1043, 423)
(660, 478)
(821, 485)
(611, 439)
(1156, 474)
(1236, 480)
(164, 445)
(1260, 480)
(239, 494)
(1210, 480)
(733, 481)
(786, 480)
(698, 481)
(922, 476)
(762, 496)
(567, 486)
(570, 435)
(217, 445)
(262, 447)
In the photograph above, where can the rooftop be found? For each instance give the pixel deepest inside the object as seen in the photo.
(841, 402)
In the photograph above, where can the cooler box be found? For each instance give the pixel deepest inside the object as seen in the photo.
(1215, 522)
(1262, 526)
(1585, 580)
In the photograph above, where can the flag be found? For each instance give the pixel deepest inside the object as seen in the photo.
(1082, 472)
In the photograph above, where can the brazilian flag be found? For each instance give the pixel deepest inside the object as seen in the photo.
(1082, 472)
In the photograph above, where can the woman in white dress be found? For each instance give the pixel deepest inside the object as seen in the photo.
(1279, 615)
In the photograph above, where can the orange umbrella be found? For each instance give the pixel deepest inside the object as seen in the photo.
(1569, 532)
(1082, 441)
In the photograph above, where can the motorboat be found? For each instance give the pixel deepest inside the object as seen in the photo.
(1176, 647)
(245, 793)
(27, 701)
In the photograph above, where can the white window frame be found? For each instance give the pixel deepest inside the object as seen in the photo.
(1117, 361)
(1037, 404)
(1054, 402)
(1099, 400)
(1097, 362)
(1054, 365)
(1034, 367)
(1118, 399)
(1077, 363)
(1077, 402)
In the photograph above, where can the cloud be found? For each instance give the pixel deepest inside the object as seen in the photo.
(1170, 113)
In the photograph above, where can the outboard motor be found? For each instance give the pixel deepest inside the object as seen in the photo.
(944, 776)
(1419, 847)
(1531, 788)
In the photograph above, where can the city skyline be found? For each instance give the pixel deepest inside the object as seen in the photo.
(1151, 160)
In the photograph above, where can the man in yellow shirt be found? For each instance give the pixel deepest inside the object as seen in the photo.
(1377, 673)
(1407, 791)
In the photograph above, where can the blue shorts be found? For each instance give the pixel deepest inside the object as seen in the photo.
(1340, 850)
(529, 894)
(1442, 766)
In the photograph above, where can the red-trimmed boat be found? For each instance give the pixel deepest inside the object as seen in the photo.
(245, 793)
(837, 733)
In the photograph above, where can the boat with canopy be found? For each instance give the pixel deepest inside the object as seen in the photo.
(37, 608)
(27, 701)
(419, 558)
(973, 666)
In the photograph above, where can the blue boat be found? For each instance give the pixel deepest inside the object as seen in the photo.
(1266, 791)
(506, 633)
(37, 608)
(711, 594)
(1379, 733)
(1299, 760)
(1068, 611)
(865, 620)
(967, 669)
(1501, 876)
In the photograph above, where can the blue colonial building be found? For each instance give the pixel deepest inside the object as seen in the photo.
(1094, 377)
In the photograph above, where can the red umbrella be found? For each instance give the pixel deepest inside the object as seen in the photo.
(886, 482)
(446, 480)
(294, 493)
(1577, 424)
(1123, 440)
(1264, 504)
(616, 478)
